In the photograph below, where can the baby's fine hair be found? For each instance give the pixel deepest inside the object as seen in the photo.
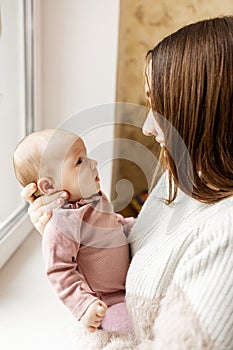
(28, 155)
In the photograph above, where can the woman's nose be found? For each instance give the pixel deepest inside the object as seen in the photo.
(148, 128)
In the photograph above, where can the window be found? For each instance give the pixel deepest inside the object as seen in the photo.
(16, 103)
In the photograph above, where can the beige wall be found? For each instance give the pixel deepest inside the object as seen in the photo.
(77, 56)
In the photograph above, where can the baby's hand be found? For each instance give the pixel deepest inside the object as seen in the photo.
(127, 223)
(94, 315)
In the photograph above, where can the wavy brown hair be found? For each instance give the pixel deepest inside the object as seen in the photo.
(191, 86)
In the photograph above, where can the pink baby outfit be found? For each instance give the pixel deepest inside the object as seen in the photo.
(87, 256)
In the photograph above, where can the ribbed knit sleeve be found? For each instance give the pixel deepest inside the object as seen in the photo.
(197, 310)
(60, 253)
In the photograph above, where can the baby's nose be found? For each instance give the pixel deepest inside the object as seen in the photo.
(93, 163)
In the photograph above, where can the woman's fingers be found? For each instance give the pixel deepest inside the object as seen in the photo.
(35, 215)
(40, 210)
(28, 191)
(49, 202)
(42, 222)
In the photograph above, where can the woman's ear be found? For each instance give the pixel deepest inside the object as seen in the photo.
(46, 185)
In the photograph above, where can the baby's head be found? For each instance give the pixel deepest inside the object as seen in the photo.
(56, 160)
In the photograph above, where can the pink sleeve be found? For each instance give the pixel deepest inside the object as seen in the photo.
(60, 253)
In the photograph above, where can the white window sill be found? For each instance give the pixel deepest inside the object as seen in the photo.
(31, 317)
(14, 238)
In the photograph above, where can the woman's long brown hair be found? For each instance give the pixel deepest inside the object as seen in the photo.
(191, 87)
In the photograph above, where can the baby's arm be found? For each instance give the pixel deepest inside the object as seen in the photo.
(93, 316)
(60, 250)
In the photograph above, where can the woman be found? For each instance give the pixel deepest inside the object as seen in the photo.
(179, 285)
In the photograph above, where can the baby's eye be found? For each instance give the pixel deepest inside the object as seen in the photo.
(79, 161)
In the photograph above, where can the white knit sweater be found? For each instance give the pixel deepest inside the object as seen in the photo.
(179, 285)
(181, 276)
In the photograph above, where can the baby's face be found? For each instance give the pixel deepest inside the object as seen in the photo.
(79, 174)
(66, 162)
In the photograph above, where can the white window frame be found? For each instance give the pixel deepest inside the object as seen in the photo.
(18, 226)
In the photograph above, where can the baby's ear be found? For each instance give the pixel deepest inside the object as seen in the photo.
(46, 185)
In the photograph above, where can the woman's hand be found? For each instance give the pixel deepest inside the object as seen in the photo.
(40, 209)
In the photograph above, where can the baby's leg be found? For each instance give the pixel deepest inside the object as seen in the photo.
(117, 319)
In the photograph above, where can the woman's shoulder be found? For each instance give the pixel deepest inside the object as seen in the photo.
(212, 235)
(221, 219)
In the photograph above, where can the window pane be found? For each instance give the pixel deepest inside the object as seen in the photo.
(12, 102)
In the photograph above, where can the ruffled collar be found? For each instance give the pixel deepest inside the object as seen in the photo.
(83, 201)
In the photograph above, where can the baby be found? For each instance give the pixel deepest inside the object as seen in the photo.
(84, 244)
